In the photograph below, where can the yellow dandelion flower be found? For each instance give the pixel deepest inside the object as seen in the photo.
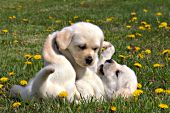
(138, 65)
(145, 10)
(37, 57)
(167, 51)
(137, 48)
(12, 17)
(122, 56)
(109, 19)
(113, 108)
(25, 20)
(168, 58)
(23, 82)
(138, 34)
(16, 104)
(128, 26)
(129, 47)
(163, 106)
(1, 86)
(28, 56)
(3, 79)
(58, 21)
(141, 28)
(148, 51)
(158, 14)
(75, 17)
(140, 55)
(143, 23)
(131, 36)
(139, 85)
(159, 90)
(148, 26)
(5, 30)
(133, 13)
(28, 62)
(163, 24)
(63, 94)
(158, 65)
(167, 91)
(70, 22)
(134, 19)
(11, 73)
(137, 92)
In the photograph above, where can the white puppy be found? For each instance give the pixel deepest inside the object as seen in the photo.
(80, 43)
(118, 80)
(53, 79)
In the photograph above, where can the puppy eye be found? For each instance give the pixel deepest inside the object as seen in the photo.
(117, 73)
(95, 48)
(82, 47)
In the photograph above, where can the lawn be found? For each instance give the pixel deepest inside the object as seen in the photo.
(139, 30)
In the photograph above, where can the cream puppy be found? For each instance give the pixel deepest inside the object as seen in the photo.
(118, 80)
(58, 76)
(81, 43)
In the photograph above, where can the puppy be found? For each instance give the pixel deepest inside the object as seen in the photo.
(118, 80)
(58, 76)
(81, 43)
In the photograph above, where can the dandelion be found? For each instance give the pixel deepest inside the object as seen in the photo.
(16, 104)
(1, 86)
(158, 65)
(128, 26)
(141, 28)
(134, 19)
(137, 48)
(167, 51)
(138, 65)
(70, 22)
(3, 79)
(140, 55)
(122, 56)
(131, 36)
(28, 62)
(137, 92)
(5, 30)
(133, 13)
(58, 21)
(12, 17)
(158, 14)
(75, 17)
(50, 17)
(167, 91)
(145, 10)
(11, 73)
(148, 51)
(23, 82)
(143, 23)
(139, 85)
(138, 34)
(25, 20)
(148, 26)
(109, 19)
(37, 57)
(28, 56)
(159, 90)
(163, 106)
(163, 24)
(63, 94)
(113, 108)
(129, 47)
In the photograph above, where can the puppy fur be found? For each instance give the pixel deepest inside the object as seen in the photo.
(80, 43)
(118, 80)
(56, 77)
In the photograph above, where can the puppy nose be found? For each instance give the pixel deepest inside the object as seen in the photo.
(89, 60)
(110, 61)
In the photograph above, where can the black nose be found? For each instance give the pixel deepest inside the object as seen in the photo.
(89, 60)
(110, 61)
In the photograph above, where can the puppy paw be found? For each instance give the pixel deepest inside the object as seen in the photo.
(108, 50)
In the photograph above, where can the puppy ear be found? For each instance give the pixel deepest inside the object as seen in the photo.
(64, 38)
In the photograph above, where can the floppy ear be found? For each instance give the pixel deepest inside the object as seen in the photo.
(64, 38)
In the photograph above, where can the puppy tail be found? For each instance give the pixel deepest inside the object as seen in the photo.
(41, 77)
(49, 53)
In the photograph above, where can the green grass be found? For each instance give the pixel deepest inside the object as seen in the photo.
(32, 33)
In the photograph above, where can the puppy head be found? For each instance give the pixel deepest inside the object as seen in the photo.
(83, 41)
(113, 71)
